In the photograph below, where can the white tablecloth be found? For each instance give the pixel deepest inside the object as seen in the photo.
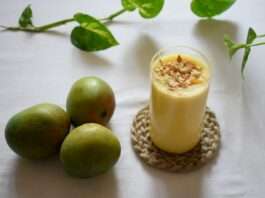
(37, 68)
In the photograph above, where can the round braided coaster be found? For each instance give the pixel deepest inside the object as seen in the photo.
(203, 152)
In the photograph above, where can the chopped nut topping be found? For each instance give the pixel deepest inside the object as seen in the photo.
(178, 74)
(179, 59)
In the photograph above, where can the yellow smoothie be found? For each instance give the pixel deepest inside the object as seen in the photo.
(179, 89)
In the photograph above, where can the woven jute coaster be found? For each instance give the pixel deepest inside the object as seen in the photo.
(202, 153)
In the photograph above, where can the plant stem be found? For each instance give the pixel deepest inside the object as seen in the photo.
(55, 24)
(42, 28)
(242, 45)
(114, 15)
(48, 26)
(260, 36)
(256, 44)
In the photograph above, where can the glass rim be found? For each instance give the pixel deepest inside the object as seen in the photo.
(164, 49)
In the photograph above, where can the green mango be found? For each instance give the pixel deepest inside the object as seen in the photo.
(90, 100)
(37, 132)
(89, 150)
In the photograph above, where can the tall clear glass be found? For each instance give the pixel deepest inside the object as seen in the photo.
(176, 116)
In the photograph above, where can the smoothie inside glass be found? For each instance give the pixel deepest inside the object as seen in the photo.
(179, 89)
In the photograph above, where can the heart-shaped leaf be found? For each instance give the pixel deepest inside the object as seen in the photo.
(25, 18)
(91, 35)
(146, 8)
(210, 8)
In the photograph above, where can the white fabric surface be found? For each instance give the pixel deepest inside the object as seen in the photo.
(37, 68)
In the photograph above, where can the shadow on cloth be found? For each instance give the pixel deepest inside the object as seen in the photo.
(141, 53)
(90, 58)
(48, 179)
(211, 33)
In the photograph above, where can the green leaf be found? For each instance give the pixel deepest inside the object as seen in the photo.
(231, 45)
(251, 35)
(91, 35)
(127, 5)
(250, 39)
(25, 18)
(245, 58)
(210, 8)
(146, 8)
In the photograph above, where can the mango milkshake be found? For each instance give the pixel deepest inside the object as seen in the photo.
(179, 89)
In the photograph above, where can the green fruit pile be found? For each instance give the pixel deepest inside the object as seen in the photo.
(42, 130)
